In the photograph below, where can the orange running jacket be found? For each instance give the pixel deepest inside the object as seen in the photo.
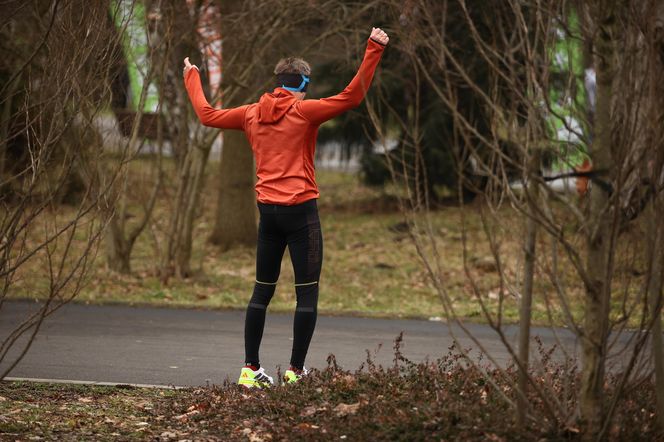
(282, 130)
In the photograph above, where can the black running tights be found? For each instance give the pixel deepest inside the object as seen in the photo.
(297, 227)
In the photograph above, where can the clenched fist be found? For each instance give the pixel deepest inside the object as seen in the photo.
(188, 66)
(379, 36)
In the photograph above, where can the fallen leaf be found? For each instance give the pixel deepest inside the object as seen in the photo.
(187, 415)
(493, 437)
(346, 409)
(145, 405)
(85, 400)
(308, 411)
(253, 437)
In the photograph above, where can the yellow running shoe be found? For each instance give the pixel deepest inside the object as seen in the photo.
(254, 378)
(291, 377)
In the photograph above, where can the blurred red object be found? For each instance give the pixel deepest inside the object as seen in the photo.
(582, 182)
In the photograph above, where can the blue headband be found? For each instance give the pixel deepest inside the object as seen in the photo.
(289, 82)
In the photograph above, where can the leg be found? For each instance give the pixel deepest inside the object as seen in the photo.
(269, 251)
(305, 245)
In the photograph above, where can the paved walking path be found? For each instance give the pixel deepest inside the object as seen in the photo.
(186, 347)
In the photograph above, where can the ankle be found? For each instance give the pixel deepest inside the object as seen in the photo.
(255, 367)
(296, 370)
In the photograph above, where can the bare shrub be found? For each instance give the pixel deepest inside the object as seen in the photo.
(497, 92)
(56, 67)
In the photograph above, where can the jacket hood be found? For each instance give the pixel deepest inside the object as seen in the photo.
(272, 106)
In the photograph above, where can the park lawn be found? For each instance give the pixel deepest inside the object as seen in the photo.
(371, 266)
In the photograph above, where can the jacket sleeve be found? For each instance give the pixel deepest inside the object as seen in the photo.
(319, 111)
(220, 118)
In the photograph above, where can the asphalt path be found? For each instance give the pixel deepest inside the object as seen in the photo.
(188, 347)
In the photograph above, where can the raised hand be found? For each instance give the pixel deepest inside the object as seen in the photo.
(188, 66)
(379, 36)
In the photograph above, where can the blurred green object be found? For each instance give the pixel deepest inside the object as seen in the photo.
(568, 115)
(129, 17)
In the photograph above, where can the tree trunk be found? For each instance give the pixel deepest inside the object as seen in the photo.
(527, 294)
(235, 222)
(118, 251)
(598, 289)
(236, 212)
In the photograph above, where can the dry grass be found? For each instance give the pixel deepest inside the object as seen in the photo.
(370, 266)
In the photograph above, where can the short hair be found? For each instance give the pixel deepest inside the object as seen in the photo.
(292, 65)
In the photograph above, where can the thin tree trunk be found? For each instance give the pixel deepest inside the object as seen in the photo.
(655, 294)
(527, 294)
(658, 354)
(598, 290)
(167, 266)
(118, 252)
(656, 283)
(190, 206)
(191, 155)
(119, 242)
(5, 123)
(176, 258)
